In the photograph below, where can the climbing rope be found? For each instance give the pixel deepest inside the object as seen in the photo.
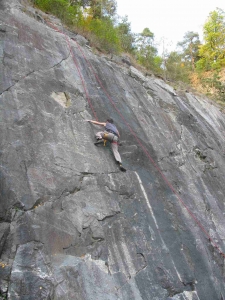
(150, 158)
(214, 244)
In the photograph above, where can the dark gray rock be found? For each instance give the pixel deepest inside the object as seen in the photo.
(123, 59)
(4, 232)
(73, 226)
(81, 40)
(30, 276)
(126, 59)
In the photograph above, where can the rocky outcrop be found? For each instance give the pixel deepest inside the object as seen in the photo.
(73, 226)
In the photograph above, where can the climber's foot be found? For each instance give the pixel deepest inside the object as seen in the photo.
(122, 168)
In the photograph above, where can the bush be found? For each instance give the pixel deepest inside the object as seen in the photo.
(215, 86)
(105, 35)
(69, 14)
(101, 32)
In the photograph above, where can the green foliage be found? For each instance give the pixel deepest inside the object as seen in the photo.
(212, 55)
(125, 35)
(108, 7)
(69, 14)
(105, 35)
(146, 52)
(157, 63)
(212, 52)
(146, 56)
(100, 8)
(190, 46)
(144, 39)
(176, 68)
(214, 84)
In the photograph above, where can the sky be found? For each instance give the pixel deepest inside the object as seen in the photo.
(169, 20)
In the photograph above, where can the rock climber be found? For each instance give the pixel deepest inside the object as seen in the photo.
(110, 134)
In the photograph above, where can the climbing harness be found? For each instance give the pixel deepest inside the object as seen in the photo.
(214, 244)
(110, 137)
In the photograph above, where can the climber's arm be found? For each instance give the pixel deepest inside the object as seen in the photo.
(96, 122)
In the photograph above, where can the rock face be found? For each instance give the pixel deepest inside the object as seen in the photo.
(73, 226)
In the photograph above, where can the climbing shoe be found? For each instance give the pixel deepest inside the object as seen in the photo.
(99, 141)
(122, 168)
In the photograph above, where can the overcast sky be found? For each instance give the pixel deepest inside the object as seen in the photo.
(168, 19)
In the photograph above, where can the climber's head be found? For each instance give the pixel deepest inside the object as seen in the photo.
(110, 120)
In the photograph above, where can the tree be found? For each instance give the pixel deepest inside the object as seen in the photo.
(165, 54)
(212, 52)
(67, 10)
(145, 39)
(126, 36)
(146, 52)
(176, 69)
(190, 46)
(102, 8)
(104, 35)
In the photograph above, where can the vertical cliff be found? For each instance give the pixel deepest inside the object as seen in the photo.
(73, 226)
